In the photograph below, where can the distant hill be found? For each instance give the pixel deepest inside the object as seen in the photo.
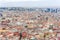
(51, 10)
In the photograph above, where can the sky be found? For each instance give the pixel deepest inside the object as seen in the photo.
(29, 3)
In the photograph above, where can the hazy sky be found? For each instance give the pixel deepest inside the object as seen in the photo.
(29, 3)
